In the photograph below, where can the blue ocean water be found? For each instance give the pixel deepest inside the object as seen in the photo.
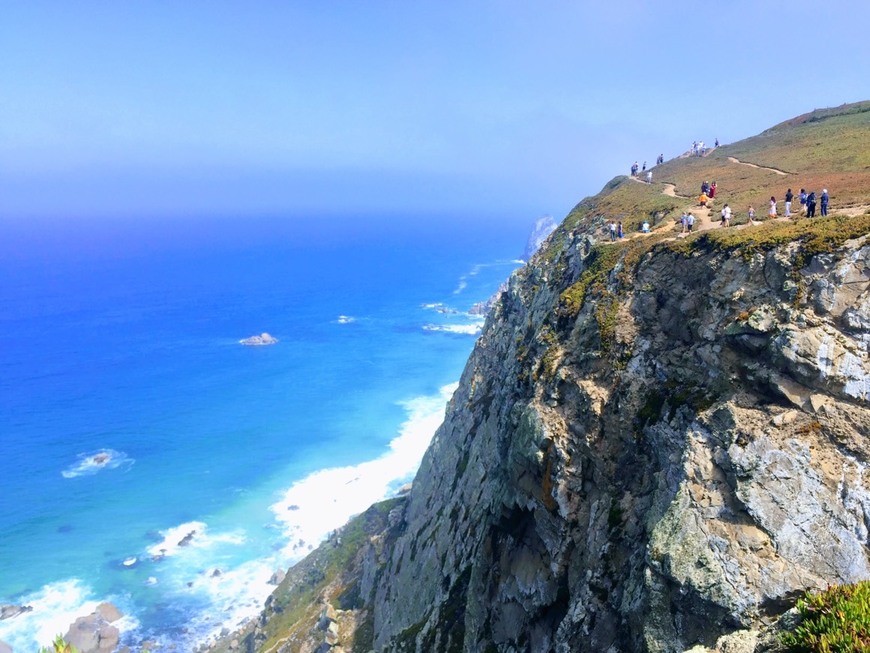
(132, 420)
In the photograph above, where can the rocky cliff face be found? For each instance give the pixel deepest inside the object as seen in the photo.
(657, 444)
(647, 456)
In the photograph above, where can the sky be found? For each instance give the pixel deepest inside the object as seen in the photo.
(132, 109)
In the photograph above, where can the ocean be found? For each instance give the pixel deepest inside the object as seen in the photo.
(151, 460)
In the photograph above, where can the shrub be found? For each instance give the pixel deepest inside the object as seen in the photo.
(59, 645)
(834, 621)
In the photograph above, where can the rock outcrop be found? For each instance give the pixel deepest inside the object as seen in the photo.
(95, 632)
(674, 463)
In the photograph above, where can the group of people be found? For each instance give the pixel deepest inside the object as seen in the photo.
(647, 173)
(687, 220)
(616, 230)
(807, 201)
(708, 192)
(699, 149)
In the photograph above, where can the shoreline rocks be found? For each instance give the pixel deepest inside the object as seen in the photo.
(10, 610)
(95, 632)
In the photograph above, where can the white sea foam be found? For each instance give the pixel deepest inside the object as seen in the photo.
(464, 329)
(325, 500)
(55, 607)
(191, 536)
(345, 319)
(308, 511)
(88, 464)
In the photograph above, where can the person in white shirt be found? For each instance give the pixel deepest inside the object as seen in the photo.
(726, 216)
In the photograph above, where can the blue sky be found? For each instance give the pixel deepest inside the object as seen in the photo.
(517, 108)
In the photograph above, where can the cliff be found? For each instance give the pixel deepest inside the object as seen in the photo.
(657, 444)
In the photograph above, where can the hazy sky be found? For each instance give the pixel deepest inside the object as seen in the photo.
(132, 108)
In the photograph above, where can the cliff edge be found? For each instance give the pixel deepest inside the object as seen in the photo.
(658, 443)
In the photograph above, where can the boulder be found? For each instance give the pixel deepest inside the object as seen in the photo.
(95, 633)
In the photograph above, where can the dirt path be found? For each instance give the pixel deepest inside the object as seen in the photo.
(853, 211)
(782, 173)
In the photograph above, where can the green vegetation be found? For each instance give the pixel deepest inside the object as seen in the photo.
(59, 646)
(813, 237)
(329, 569)
(601, 261)
(834, 621)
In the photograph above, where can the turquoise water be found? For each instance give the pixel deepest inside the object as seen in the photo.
(131, 417)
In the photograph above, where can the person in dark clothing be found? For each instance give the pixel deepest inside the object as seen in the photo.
(789, 196)
(705, 188)
(811, 204)
(803, 199)
(824, 202)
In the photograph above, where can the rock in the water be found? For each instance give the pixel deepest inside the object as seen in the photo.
(4, 647)
(95, 632)
(262, 339)
(10, 610)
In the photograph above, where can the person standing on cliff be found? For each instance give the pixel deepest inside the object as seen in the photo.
(612, 231)
(726, 216)
(634, 169)
(649, 176)
(824, 202)
(803, 200)
(713, 190)
(619, 232)
(751, 214)
(771, 212)
(690, 220)
(811, 204)
(789, 196)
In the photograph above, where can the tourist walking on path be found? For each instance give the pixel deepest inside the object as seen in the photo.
(684, 221)
(824, 201)
(634, 169)
(803, 200)
(690, 220)
(649, 176)
(726, 216)
(751, 214)
(789, 196)
(713, 190)
(771, 212)
(702, 199)
(619, 232)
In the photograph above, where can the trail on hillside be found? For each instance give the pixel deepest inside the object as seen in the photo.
(783, 173)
